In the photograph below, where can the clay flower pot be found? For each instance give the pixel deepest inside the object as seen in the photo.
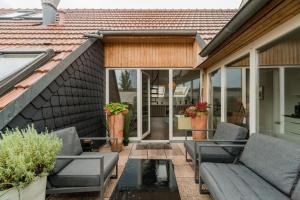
(116, 126)
(199, 122)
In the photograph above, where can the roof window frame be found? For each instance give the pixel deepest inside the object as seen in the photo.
(27, 69)
(26, 15)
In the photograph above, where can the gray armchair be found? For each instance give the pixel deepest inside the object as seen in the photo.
(226, 133)
(78, 171)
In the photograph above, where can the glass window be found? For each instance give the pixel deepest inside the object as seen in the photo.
(11, 63)
(186, 92)
(123, 88)
(15, 14)
(34, 16)
(16, 64)
(215, 98)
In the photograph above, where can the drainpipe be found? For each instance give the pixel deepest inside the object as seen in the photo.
(49, 11)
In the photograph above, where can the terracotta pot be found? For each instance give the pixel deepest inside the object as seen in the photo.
(116, 126)
(200, 123)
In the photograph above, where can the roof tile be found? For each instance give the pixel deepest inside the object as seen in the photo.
(30, 80)
(48, 66)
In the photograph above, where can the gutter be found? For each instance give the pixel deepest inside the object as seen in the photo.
(245, 13)
(101, 34)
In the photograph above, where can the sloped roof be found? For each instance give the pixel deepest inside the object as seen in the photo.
(67, 34)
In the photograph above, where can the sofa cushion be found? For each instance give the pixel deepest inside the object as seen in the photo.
(228, 131)
(84, 173)
(71, 146)
(237, 182)
(296, 192)
(276, 160)
(210, 154)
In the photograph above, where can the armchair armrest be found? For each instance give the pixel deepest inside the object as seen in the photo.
(98, 138)
(206, 130)
(217, 145)
(217, 141)
(101, 159)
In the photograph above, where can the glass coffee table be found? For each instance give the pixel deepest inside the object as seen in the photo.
(147, 179)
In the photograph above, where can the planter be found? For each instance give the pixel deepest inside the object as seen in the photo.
(126, 142)
(184, 123)
(34, 191)
(200, 123)
(116, 126)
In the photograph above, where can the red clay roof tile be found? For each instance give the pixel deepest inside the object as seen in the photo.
(26, 83)
(48, 66)
(10, 96)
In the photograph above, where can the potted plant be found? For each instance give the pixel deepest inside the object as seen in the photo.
(199, 115)
(26, 158)
(127, 124)
(115, 114)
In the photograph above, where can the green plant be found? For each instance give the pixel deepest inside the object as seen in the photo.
(25, 155)
(197, 109)
(127, 122)
(116, 108)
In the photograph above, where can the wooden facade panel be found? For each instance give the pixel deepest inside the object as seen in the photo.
(283, 52)
(270, 17)
(151, 54)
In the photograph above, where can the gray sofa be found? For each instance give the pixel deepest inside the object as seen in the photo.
(269, 168)
(78, 171)
(225, 133)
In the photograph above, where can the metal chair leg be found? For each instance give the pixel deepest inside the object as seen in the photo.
(116, 175)
(201, 190)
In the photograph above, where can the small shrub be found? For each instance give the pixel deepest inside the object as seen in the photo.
(25, 155)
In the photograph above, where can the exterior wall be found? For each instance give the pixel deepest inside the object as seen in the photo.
(75, 98)
(150, 53)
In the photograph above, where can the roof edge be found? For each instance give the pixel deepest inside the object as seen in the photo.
(17, 105)
(245, 13)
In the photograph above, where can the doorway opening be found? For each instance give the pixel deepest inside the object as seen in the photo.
(155, 104)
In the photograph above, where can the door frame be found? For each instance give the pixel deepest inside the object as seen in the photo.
(139, 103)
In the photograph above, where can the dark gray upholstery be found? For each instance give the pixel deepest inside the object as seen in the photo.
(296, 193)
(228, 131)
(276, 160)
(210, 154)
(84, 173)
(237, 182)
(71, 146)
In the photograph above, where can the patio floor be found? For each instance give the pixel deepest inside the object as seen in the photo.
(183, 171)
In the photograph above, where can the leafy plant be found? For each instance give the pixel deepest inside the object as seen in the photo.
(125, 80)
(116, 108)
(127, 122)
(25, 155)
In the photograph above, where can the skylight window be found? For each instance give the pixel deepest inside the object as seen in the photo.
(30, 14)
(34, 16)
(17, 64)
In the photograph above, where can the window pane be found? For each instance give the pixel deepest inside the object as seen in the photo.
(186, 92)
(11, 63)
(123, 88)
(15, 14)
(215, 83)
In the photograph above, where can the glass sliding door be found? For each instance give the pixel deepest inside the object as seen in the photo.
(215, 98)
(269, 101)
(123, 88)
(186, 92)
(237, 95)
(145, 104)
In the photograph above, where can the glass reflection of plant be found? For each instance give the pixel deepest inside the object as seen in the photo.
(125, 80)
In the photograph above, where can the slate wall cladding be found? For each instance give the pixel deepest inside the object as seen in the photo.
(75, 98)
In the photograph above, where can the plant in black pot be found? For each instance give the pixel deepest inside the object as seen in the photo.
(127, 124)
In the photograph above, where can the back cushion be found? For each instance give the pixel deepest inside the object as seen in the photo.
(71, 146)
(228, 131)
(276, 160)
(296, 193)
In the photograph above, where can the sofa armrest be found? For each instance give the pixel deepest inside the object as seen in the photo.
(217, 141)
(101, 159)
(200, 146)
(98, 138)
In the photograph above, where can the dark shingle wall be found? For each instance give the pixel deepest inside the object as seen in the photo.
(75, 98)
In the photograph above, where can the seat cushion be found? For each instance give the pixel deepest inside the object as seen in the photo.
(296, 193)
(276, 160)
(237, 182)
(71, 146)
(210, 154)
(84, 173)
(228, 131)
